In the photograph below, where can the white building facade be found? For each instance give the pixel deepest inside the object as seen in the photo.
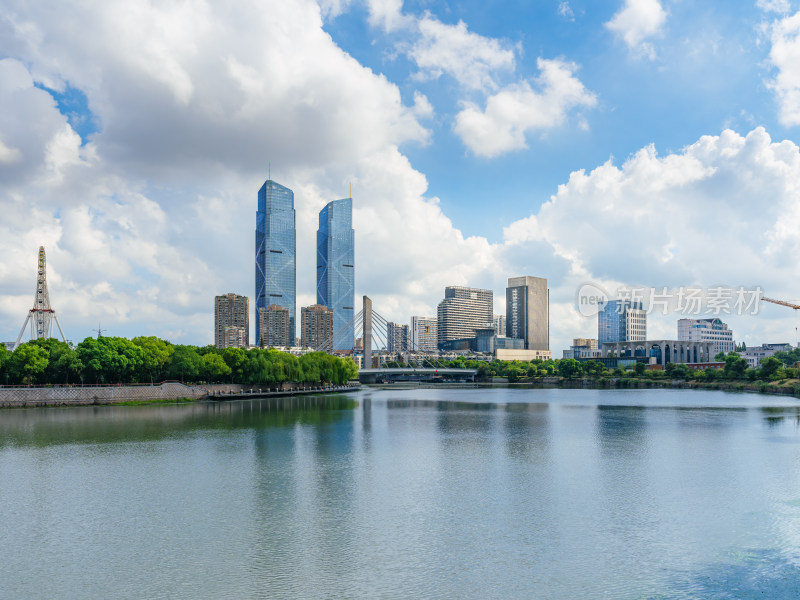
(707, 330)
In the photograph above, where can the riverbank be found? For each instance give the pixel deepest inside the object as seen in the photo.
(167, 393)
(786, 387)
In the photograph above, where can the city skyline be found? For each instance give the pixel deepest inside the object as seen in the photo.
(479, 143)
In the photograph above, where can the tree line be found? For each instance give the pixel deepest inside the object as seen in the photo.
(148, 359)
(736, 368)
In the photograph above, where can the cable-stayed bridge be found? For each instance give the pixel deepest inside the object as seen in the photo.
(374, 331)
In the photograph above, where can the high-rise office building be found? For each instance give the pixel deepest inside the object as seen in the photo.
(275, 251)
(528, 311)
(462, 312)
(274, 326)
(335, 269)
(396, 337)
(231, 310)
(707, 330)
(424, 334)
(621, 321)
(316, 324)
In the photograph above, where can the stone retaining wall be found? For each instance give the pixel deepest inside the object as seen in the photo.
(72, 396)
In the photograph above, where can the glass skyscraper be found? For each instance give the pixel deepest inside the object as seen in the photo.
(335, 268)
(275, 252)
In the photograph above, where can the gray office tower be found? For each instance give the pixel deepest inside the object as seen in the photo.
(275, 252)
(528, 311)
(335, 269)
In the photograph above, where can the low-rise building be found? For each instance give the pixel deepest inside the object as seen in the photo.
(754, 354)
(663, 351)
(521, 354)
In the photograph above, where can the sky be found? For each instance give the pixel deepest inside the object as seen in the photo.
(620, 145)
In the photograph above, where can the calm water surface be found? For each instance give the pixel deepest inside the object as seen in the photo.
(424, 493)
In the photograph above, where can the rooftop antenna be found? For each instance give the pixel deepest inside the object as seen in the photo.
(269, 170)
(99, 331)
(351, 190)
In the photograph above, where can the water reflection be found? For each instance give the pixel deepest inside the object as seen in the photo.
(111, 424)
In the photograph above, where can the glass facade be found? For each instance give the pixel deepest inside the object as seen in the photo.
(275, 252)
(335, 269)
(621, 321)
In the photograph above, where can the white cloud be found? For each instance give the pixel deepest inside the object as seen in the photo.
(637, 21)
(722, 211)
(518, 109)
(388, 14)
(565, 11)
(778, 6)
(423, 109)
(148, 221)
(785, 57)
(469, 58)
(9, 155)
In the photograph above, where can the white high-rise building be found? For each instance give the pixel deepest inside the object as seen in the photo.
(462, 312)
(423, 334)
(707, 330)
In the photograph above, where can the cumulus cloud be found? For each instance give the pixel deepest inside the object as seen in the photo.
(154, 215)
(657, 221)
(565, 10)
(637, 21)
(469, 58)
(784, 55)
(518, 109)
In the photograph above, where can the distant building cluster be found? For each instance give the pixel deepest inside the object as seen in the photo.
(328, 324)
(465, 321)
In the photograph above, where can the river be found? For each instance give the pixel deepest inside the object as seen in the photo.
(420, 493)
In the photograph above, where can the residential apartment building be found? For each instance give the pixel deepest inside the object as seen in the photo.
(316, 324)
(396, 337)
(231, 310)
(275, 327)
(424, 334)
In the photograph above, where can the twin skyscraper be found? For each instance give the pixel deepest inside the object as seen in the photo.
(276, 267)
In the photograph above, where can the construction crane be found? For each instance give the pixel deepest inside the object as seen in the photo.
(795, 307)
(782, 303)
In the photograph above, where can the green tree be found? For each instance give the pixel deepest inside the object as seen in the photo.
(639, 368)
(236, 359)
(214, 368)
(735, 366)
(594, 368)
(184, 364)
(568, 368)
(156, 354)
(769, 367)
(719, 357)
(28, 362)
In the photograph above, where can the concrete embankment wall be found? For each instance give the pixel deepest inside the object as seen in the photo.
(76, 396)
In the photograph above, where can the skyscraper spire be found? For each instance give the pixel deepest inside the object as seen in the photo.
(42, 315)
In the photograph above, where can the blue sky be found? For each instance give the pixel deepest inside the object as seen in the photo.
(625, 143)
(707, 74)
